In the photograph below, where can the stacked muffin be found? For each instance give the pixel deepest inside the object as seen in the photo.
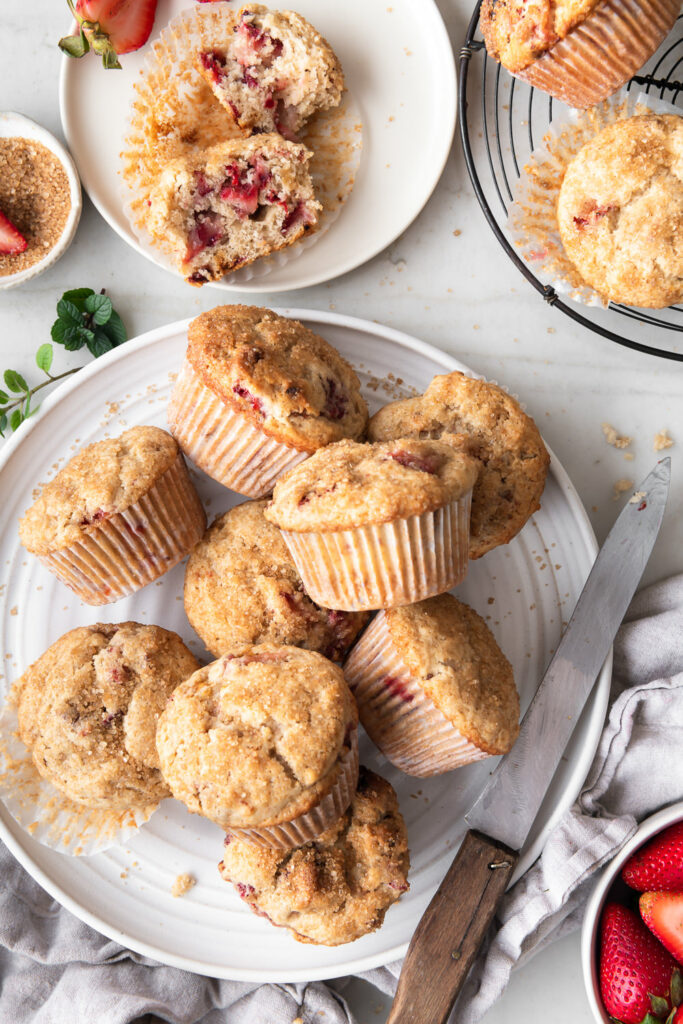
(380, 517)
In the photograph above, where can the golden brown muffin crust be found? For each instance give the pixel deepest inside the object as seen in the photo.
(242, 587)
(287, 380)
(88, 711)
(620, 211)
(454, 656)
(350, 484)
(104, 478)
(483, 420)
(256, 738)
(338, 888)
(517, 34)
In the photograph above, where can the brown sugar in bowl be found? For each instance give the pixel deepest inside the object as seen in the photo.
(40, 192)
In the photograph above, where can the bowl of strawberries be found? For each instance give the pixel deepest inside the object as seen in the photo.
(632, 938)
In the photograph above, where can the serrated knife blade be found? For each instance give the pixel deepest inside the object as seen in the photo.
(508, 805)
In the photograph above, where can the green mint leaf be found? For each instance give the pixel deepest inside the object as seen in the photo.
(72, 340)
(100, 306)
(69, 312)
(100, 344)
(57, 332)
(115, 330)
(16, 419)
(3, 424)
(86, 334)
(15, 382)
(4, 398)
(44, 357)
(78, 296)
(75, 46)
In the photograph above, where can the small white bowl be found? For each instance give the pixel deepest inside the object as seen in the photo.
(590, 930)
(16, 125)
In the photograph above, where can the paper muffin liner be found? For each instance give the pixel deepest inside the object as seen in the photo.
(47, 814)
(600, 55)
(223, 442)
(174, 113)
(388, 564)
(398, 716)
(136, 546)
(532, 216)
(306, 827)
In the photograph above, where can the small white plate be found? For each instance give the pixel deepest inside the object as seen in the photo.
(525, 590)
(400, 71)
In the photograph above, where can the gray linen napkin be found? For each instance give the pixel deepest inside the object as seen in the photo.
(56, 970)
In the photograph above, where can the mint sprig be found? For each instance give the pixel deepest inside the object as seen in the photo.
(84, 318)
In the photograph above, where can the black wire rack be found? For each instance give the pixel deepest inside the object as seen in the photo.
(501, 127)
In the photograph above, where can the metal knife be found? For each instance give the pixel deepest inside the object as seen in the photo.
(453, 926)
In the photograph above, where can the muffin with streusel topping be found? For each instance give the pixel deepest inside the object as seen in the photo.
(620, 211)
(264, 743)
(257, 394)
(579, 51)
(377, 525)
(482, 419)
(121, 513)
(338, 887)
(434, 690)
(242, 587)
(88, 711)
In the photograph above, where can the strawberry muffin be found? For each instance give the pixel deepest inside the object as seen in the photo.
(620, 211)
(120, 514)
(242, 587)
(217, 209)
(264, 743)
(88, 711)
(483, 420)
(337, 887)
(273, 72)
(377, 525)
(259, 393)
(434, 690)
(579, 51)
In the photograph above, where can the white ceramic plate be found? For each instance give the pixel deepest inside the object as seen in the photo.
(400, 71)
(524, 590)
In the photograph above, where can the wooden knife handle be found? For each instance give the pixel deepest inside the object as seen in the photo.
(451, 930)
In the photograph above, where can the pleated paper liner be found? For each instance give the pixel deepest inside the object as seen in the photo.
(602, 53)
(308, 826)
(223, 442)
(46, 813)
(398, 716)
(385, 565)
(174, 113)
(532, 216)
(134, 547)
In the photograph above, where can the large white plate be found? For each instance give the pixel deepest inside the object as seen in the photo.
(525, 591)
(400, 71)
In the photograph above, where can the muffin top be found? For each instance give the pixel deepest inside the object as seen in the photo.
(450, 650)
(486, 422)
(351, 484)
(287, 380)
(256, 737)
(337, 888)
(242, 587)
(88, 711)
(518, 34)
(620, 211)
(104, 478)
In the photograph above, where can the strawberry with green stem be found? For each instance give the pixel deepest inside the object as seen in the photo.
(109, 28)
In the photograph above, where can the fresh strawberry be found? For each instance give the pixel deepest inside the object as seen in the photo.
(662, 912)
(659, 864)
(109, 27)
(12, 242)
(636, 972)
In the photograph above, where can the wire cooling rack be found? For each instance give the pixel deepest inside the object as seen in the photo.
(502, 119)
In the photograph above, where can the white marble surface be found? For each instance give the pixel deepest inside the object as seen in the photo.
(455, 290)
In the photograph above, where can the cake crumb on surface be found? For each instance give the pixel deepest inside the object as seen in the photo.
(621, 486)
(612, 437)
(638, 496)
(662, 440)
(182, 885)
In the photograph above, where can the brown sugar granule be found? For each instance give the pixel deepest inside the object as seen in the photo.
(35, 195)
(662, 441)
